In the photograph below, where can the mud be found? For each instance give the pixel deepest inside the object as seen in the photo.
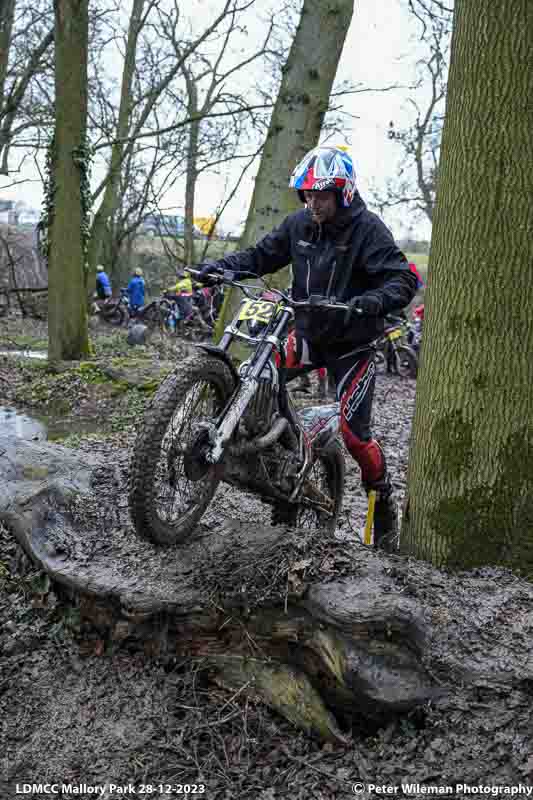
(77, 709)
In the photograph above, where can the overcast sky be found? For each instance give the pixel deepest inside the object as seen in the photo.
(381, 49)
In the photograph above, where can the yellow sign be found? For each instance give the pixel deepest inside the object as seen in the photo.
(396, 334)
(256, 310)
(205, 224)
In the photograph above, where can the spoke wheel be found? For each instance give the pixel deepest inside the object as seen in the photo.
(380, 362)
(321, 496)
(405, 362)
(171, 483)
(114, 316)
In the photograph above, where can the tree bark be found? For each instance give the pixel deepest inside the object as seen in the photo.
(193, 136)
(67, 300)
(470, 492)
(7, 13)
(296, 122)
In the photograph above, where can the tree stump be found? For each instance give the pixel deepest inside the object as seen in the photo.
(323, 630)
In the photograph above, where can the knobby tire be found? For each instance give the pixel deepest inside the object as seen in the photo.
(331, 460)
(157, 423)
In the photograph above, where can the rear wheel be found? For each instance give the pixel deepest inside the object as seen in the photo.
(167, 319)
(322, 494)
(149, 315)
(380, 362)
(114, 315)
(171, 484)
(405, 361)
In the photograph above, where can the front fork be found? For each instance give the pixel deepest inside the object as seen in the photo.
(246, 391)
(231, 419)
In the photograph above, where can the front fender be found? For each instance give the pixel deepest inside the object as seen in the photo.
(213, 350)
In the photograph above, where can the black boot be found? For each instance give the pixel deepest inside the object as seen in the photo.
(386, 529)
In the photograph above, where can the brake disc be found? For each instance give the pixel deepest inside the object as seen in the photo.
(195, 464)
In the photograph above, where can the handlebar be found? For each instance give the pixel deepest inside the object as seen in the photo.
(313, 301)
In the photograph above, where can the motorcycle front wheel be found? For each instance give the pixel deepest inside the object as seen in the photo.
(170, 482)
(405, 363)
(322, 494)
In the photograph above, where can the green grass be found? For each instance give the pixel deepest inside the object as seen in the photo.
(27, 342)
(420, 259)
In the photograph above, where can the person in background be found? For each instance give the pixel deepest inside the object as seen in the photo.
(136, 291)
(419, 280)
(418, 312)
(181, 294)
(103, 284)
(415, 336)
(418, 325)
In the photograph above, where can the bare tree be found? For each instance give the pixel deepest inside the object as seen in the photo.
(296, 121)
(24, 46)
(415, 185)
(207, 87)
(157, 72)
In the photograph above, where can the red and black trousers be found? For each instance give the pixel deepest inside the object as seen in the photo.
(355, 377)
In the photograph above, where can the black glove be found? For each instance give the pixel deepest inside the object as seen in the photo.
(208, 273)
(369, 304)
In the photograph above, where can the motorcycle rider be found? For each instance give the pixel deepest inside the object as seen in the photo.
(103, 284)
(136, 290)
(340, 250)
(181, 294)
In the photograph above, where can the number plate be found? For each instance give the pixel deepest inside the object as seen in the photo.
(257, 310)
(395, 334)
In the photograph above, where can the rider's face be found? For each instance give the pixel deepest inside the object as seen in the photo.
(322, 205)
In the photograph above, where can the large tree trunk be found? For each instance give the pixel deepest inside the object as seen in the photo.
(470, 498)
(296, 122)
(67, 300)
(110, 201)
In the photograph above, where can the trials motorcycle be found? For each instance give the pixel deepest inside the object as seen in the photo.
(210, 421)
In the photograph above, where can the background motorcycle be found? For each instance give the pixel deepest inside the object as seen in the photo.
(113, 310)
(394, 354)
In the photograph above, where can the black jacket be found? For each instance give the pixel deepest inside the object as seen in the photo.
(353, 254)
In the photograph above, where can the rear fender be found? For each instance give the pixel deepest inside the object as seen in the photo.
(321, 424)
(215, 351)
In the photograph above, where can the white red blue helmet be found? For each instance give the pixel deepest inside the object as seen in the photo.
(325, 169)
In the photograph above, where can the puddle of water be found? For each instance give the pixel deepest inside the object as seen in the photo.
(20, 425)
(42, 354)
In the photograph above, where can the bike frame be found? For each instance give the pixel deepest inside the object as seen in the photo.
(247, 385)
(268, 343)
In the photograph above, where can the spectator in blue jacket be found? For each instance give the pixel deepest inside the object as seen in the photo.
(103, 284)
(136, 290)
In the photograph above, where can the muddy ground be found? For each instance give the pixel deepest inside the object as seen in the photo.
(78, 710)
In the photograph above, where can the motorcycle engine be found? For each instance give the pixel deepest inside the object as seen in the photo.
(257, 419)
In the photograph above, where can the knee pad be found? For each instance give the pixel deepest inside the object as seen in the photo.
(368, 455)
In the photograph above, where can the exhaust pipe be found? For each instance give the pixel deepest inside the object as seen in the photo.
(261, 442)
